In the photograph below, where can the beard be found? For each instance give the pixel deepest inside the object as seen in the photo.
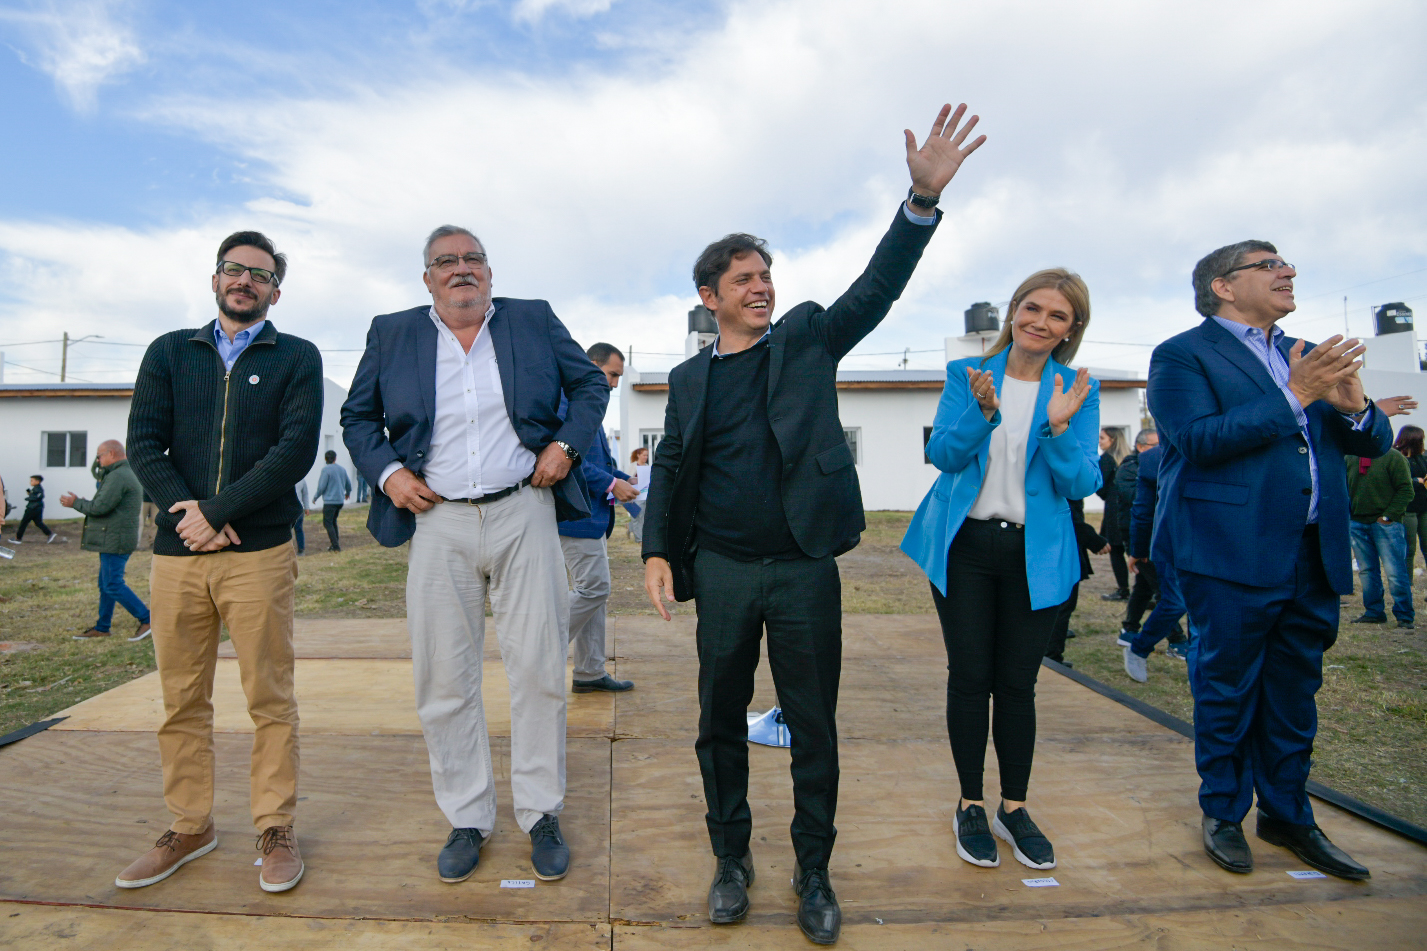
(253, 312)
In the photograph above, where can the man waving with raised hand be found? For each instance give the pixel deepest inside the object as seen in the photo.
(753, 494)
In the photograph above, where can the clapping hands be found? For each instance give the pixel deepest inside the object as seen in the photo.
(1066, 403)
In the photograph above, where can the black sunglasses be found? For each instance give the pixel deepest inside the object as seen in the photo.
(260, 274)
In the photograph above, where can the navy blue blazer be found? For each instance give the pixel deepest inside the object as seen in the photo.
(1234, 482)
(598, 468)
(389, 412)
(1140, 521)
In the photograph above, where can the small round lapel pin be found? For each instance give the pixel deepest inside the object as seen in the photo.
(253, 378)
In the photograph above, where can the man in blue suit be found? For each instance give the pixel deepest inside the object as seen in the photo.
(1253, 517)
(585, 544)
(454, 417)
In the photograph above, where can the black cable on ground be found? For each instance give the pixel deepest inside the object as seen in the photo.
(30, 730)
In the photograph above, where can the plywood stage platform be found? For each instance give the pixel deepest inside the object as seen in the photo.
(1114, 791)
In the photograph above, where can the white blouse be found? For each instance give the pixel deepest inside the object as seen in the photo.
(1003, 489)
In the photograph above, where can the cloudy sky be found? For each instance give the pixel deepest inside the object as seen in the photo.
(597, 145)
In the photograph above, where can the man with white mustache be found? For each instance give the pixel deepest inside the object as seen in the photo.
(454, 418)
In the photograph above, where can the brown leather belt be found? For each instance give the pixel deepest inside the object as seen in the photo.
(493, 496)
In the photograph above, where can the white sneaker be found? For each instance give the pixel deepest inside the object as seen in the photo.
(768, 729)
(1136, 666)
(1124, 639)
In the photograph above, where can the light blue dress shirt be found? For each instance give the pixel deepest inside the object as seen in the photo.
(1277, 365)
(229, 350)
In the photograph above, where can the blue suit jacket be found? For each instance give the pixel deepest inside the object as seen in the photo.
(1141, 524)
(1057, 468)
(389, 413)
(1234, 482)
(597, 467)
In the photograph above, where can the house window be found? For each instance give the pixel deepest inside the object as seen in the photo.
(649, 439)
(62, 450)
(926, 438)
(853, 435)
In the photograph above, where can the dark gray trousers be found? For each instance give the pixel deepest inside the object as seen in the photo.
(799, 602)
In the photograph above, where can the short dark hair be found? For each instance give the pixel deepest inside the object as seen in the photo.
(254, 239)
(1215, 265)
(38, 478)
(331, 456)
(718, 258)
(599, 353)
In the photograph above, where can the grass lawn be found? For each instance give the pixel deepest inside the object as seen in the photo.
(1372, 740)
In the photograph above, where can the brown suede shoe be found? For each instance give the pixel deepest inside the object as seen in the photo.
(282, 863)
(92, 632)
(173, 850)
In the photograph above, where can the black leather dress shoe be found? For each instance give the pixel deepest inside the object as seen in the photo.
(1312, 846)
(604, 683)
(1226, 845)
(460, 856)
(728, 895)
(818, 913)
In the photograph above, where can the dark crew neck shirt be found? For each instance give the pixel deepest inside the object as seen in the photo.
(740, 512)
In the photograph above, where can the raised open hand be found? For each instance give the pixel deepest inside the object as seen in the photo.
(933, 165)
(1066, 403)
(983, 387)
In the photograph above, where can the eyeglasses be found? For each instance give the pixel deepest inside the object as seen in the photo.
(1273, 265)
(260, 274)
(448, 262)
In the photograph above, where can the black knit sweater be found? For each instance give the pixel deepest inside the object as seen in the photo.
(236, 441)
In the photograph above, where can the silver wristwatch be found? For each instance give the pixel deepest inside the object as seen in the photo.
(570, 452)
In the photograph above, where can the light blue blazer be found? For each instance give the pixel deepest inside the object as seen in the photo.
(1057, 468)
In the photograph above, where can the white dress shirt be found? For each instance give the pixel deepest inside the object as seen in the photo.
(474, 449)
(1003, 489)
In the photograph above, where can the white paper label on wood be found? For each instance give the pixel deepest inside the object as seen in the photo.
(1306, 873)
(259, 861)
(517, 883)
(1039, 882)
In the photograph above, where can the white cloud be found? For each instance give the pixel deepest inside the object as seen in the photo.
(530, 11)
(82, 45)
(1126, 140)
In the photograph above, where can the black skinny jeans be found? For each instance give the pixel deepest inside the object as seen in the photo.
(1119, 567)
(1145, 590)
(994, 645)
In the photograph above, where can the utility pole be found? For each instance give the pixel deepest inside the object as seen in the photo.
(64, 356)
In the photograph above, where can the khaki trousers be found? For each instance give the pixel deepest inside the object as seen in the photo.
(587, 561)
(508, 549)
(251, 593)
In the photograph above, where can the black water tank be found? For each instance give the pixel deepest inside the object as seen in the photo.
(701, 320)
(982, 316)
(1392, 318)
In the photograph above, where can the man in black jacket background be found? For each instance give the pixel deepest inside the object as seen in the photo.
(753, 494)
(224, 421)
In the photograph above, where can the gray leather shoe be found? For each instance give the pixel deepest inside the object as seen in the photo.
(728, 895)
(604, 683)
(549, 855)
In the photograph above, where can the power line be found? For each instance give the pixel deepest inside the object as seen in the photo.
(48, 372)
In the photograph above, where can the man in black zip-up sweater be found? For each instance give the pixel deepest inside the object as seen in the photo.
(224, 421)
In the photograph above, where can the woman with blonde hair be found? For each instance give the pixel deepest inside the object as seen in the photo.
(1015, 440)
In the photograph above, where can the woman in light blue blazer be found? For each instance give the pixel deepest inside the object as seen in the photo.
(1013, 443)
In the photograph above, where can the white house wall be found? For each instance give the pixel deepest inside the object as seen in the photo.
(24, 418)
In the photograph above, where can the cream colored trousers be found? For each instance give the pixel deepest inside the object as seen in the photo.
(510, 550)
